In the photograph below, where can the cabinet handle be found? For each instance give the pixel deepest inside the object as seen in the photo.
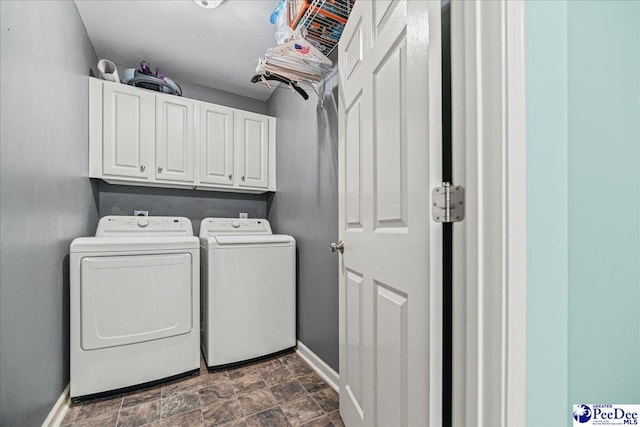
(159, 169)
(242, 177)
(142, 168)
(230, 176)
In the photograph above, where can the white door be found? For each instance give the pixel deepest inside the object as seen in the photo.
(128, 131)
(174, 139)
(252, 149)
(390, 271)
(216, 145)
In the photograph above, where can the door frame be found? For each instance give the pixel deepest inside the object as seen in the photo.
(489, 255)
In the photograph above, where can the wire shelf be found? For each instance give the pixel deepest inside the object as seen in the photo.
(321, 21)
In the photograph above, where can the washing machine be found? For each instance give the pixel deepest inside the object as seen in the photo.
(135, 305)
(248, 291)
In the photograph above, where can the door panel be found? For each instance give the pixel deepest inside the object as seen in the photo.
(391, 349)
(174, 139)
(216, 145)
(252, 133)
(382, 9)
(128, 131)
(130, 299)
(353, 166)
(354, 331)
(389, 158)
(354, 51)
(390, 151)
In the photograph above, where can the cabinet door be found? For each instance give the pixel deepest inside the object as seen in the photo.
(128, 131)
(252, 145)
(216, 145)
(174, 139)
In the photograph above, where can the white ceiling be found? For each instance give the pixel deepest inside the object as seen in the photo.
(217, 48)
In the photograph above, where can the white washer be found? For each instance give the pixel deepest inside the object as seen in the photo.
(248, 291)
(134, 311)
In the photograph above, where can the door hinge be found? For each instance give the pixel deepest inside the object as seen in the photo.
(447, 203)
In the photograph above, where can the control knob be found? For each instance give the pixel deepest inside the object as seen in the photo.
(143, 223)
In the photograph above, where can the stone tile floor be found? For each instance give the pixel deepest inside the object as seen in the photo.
(278, 392)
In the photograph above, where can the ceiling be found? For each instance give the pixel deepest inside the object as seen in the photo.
(217, 48)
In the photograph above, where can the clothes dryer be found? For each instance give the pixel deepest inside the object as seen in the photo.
(134, 309)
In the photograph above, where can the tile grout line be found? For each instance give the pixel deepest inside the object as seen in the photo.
(119, 409)
(243, 416)
(270, 392)
(317, 418)
(274, 397)
(278, 405)
(312, 399)
(76, 415)
(295, 377)
(235, 395)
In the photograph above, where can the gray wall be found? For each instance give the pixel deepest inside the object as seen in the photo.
(221, 97)
(195, 205)
(306, 206)
(46, 198)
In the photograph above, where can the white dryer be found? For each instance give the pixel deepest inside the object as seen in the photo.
(248, 291)
(134, 310)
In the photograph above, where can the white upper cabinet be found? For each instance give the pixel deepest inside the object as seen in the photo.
(252, 142)
(216, 146)
(141, 137)
(127, 131)
(174, 139)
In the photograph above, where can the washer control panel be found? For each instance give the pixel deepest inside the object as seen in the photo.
(221, 226)
(113, 225)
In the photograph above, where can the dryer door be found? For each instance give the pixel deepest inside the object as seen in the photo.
(130, 299)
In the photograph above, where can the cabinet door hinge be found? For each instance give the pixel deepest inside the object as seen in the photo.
(447, 203)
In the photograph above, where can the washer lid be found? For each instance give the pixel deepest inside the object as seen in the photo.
(229, 240)
(130, 244)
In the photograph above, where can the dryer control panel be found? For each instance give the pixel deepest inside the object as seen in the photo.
(223, 226)
(114, 225)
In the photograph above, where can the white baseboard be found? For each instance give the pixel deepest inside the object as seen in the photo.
(59, 410)
(318, 365)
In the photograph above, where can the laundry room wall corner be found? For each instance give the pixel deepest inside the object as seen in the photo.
(306, 206)
(46, 198)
